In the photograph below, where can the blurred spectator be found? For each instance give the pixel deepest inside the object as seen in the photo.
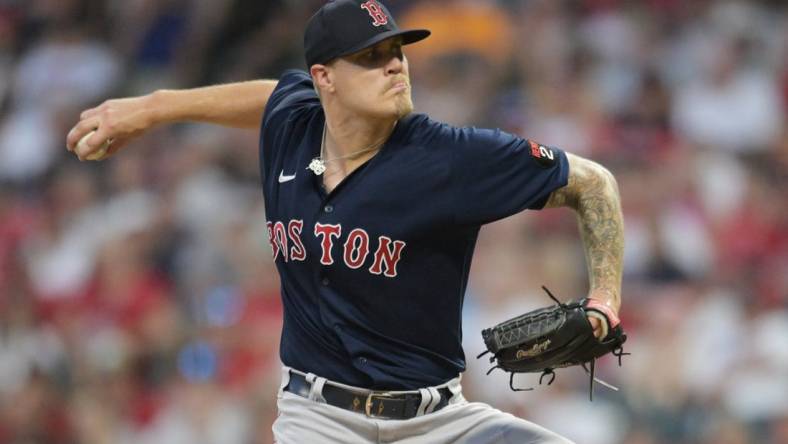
(733, 106)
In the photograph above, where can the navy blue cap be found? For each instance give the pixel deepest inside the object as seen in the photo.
(342, 27)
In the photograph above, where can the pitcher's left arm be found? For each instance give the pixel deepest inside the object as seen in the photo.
(593, 193)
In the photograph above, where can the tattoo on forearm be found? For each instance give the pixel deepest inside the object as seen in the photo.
(593, 193)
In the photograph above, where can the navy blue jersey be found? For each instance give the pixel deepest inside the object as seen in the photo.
(373, 274)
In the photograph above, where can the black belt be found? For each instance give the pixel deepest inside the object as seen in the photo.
(382, 405)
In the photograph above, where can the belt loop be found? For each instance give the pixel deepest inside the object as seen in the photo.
(426, 399)
(436, 398)
(455, 387)
(316, 387)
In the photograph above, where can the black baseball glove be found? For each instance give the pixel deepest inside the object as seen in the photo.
(554, 337)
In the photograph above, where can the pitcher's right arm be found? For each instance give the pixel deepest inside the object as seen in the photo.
(239, 105)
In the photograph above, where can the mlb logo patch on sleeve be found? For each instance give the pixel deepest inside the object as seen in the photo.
(543, 155)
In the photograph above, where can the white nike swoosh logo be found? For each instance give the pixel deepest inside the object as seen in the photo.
(283, 178)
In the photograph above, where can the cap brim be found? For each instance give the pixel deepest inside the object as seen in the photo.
(408, 36)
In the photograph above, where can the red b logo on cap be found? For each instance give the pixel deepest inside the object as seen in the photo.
(379, 17)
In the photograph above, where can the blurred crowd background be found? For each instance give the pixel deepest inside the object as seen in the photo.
(138, 301)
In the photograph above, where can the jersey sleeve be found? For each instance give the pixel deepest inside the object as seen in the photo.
(293, 100)
(293, 92)
(499, 174)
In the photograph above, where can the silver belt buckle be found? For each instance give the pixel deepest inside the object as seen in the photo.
(368, 403)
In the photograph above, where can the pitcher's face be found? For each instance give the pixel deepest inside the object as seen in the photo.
(374, 81)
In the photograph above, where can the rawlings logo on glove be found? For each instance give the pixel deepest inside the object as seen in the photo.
(554, 337)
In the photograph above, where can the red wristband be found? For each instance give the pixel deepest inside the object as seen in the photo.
(612, 317)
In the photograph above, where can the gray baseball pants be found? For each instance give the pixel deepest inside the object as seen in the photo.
(312, 421)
